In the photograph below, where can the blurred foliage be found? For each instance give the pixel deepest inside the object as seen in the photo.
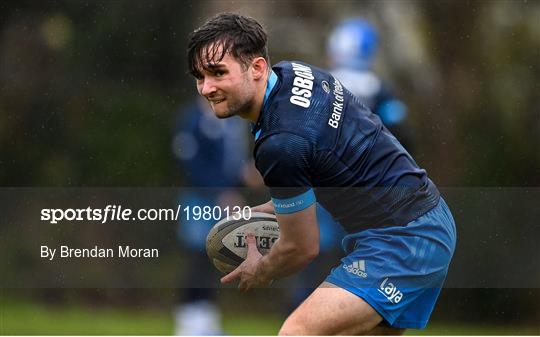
(490, 64)
(88, 89)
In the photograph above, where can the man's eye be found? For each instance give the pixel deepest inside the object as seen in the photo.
(219, 73)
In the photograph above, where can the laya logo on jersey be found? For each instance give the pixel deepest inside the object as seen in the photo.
(390, 291)
(302, 85)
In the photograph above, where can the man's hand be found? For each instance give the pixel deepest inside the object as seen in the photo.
(298, 244)
(247, 271)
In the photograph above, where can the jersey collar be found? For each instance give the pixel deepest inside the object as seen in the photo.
(272, 80)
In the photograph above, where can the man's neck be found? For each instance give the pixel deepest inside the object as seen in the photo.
(255, 111)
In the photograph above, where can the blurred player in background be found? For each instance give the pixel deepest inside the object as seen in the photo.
(315, 141)
(351, 49)
(214, 158)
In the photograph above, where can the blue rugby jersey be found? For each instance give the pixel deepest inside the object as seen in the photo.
(316, 141)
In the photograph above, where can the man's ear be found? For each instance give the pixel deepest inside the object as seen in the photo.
(259, 67)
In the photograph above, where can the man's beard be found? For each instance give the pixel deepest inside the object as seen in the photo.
(236, 109)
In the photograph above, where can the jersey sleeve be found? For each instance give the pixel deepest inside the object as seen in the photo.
(284, 162)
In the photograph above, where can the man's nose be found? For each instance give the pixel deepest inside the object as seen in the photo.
(207, 87)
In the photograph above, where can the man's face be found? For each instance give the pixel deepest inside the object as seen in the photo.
(227, 86)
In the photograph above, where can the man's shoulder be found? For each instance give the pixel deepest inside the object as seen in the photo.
(299, 84)
(297, 66)
(301, 104)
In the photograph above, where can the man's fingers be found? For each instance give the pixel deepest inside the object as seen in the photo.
(252, 244)
(231, 276)
(237, 273)
(242, 286)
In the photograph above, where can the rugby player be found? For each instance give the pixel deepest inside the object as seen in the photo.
(314, 141)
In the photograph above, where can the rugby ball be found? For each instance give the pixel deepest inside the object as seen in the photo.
(226, 243)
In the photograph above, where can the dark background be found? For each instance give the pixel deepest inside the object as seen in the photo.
(89, 89)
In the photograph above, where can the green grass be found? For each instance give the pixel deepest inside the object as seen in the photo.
(32, 319)
(26, 318)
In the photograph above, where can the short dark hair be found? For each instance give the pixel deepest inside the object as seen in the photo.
(240, 36)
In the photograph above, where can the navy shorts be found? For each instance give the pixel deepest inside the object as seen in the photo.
(400, 270)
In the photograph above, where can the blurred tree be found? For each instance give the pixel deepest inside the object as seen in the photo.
(88, 90)
(488, 93)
